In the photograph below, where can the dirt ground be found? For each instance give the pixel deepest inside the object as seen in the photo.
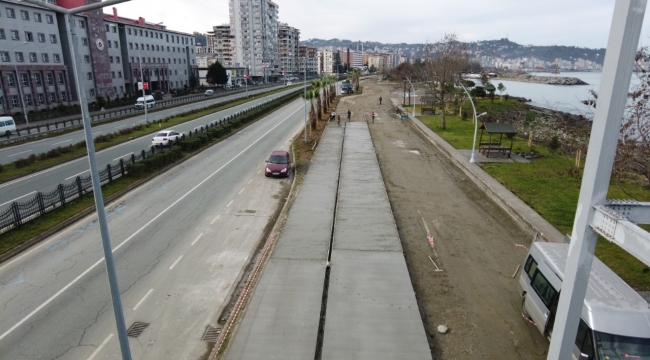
(474, 241)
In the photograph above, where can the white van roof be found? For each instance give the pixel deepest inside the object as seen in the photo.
(610, 305)
(149, 97)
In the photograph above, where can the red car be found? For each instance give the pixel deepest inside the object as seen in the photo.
(279, 164)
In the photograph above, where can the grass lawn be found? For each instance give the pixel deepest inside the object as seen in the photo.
(547, 186)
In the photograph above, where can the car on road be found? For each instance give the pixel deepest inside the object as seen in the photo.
(209, 93)
(7, 125)
(166, 138)
(289, 83)
(279, 164)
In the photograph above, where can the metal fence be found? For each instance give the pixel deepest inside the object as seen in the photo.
(21, 212)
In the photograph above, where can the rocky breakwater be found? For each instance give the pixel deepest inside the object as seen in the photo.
(550, 80)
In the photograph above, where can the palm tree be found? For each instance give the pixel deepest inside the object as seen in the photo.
(356, 74)
(311, 96)
(316, 86)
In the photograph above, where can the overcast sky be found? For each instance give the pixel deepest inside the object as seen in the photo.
(582, 23)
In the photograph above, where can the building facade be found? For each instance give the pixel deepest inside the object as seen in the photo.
(220, 41)
(289, 49)
(254, 27)
(36, 56)
(309, 56)
(326, 65)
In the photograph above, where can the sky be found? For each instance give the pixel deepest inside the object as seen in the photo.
(582, 23)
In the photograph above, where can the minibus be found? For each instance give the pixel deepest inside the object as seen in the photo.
(7, 125)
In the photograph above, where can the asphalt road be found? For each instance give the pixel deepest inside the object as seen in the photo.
(47, 180)
(179, 242)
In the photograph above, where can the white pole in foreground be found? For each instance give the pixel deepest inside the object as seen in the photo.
(617, 72)
(472, 159)
(412, 88)
(305, 90)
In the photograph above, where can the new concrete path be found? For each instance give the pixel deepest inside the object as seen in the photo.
(370, 310)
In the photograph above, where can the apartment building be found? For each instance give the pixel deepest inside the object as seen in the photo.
(326, 65)
(289, 49)
(36, 56)
(220, 45)
(309, 56)
(254, 27)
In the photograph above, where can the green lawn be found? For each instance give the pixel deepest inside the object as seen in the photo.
(548, 186)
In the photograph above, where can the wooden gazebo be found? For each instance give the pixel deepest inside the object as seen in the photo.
(494, 136)
(428, 103)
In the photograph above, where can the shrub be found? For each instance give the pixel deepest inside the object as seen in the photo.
(135, 170)
(203, 138)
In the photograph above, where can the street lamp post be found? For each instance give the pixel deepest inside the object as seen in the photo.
(412, 88)
(20, 90)
(94, 172)
(472, 159)
(305, 90)
(144, 96)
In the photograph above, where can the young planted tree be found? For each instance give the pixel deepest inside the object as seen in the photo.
(449, 59)
(501, 89)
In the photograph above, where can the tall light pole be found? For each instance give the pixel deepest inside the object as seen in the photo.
(412, 88)
(18, 84)
(94, 172)
(305, 90)
(144, 96)
(472, 159)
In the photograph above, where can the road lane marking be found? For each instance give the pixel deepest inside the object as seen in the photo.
(230, 203)
(17, 198)
(92, 356)
(155, 218)
(123, 156)
(22, 152)
(215, 219)
(241, 191)
(250, 181)
(62, 142)
(121, 126)
(175, 262)
(143, 299)
(197, 239)
(258, 171)
(95, 133)
(74, 176)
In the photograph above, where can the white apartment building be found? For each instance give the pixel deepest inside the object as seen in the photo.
(254, 27)
(220, 43)
(326, 65)
(289, 43)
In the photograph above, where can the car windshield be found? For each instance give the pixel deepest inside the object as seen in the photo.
(162, 134)
(615, 347)
(278, 159)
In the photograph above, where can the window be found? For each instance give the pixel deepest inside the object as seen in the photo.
(4, 56)
(84, 41)
(128, 30)
(57, 58)
(14, 101)
(109, 43)
(37, 17)
(140, 32)
(116, 45)
(107, 28)
(2, 34)
(117, 59)
(114, 29)
(37, 79)
(24, 15)
(89, 75)
(530, 266)
(137, 46)
(114, 90)
(45, 58)
(15, 35)
(147, 47)
(50, 79)
(185, 72)
(131, 46)
(87, 58)
(131, 58)
(33, 57)
(41, 37)
(52, 98)
(41, 99)
(60, 76)
(121, 89)
(584, 340)
(19, 57)
(11, 13)
(110, 58)
(146, 34)
(119, 74)
(49, 19)
(92, 92)
(28, 99)
(10, 80)
(53, 38)
(82, 24)
(113, 74)
(24, 79)
(28, 36)
(63, 96)
(543, 288)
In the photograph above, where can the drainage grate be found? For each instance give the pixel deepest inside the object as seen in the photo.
(136, 329)
(211, 334)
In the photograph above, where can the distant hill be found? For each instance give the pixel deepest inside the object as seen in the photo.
(502, 48)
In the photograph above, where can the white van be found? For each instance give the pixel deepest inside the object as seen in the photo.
(139, 104)
(7, 125)
(615, 319)
(209, 93)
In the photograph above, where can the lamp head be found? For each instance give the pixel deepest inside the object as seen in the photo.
(479, 115)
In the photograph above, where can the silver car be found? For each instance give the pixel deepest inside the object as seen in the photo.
(166, 138)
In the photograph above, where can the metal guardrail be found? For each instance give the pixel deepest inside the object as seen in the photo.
(62, 124)
(21, 212)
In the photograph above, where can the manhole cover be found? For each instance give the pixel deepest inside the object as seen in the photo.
(136, 329)
(211, 334)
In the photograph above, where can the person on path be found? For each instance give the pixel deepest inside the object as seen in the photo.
(373, 117)
(332, 116)
(338, 119)
(380, 100)
(349, 114)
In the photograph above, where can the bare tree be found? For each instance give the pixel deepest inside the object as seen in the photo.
(448, 58)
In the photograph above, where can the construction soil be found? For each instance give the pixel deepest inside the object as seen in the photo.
(474, 242)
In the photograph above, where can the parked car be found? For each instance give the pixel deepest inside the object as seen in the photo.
(279, 164)
(7, 125)
(166, 138)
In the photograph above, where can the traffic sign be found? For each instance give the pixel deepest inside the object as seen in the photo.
(265, 63)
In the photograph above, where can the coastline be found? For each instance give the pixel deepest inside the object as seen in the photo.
(548, 80)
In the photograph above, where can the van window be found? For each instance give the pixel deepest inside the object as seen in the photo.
(584, 340)
(2, 123)
(543, 288)
(530, 267)
(9, 122)
(621, 347)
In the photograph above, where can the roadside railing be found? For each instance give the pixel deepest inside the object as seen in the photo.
(20, 212)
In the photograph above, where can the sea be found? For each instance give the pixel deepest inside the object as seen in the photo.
(567, 98)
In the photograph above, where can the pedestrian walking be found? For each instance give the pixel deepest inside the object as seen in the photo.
(332, 116)
(380, 100)
(373, 117)
(338, 119)
(349, 114)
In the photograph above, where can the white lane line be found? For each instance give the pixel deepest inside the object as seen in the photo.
(250, 181)
(258, 171)
(62, 142)
(74, 176)
(143, 299)
(123, 156)
(175, 262)
(197, 239)
(93, 266)
(214, 220)
(230, 203)
(92, 356)
(121, 126)
(95, 133)
(241, 191)
(22, 152)
(10, 201)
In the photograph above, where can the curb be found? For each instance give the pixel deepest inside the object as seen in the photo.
(524, 216)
